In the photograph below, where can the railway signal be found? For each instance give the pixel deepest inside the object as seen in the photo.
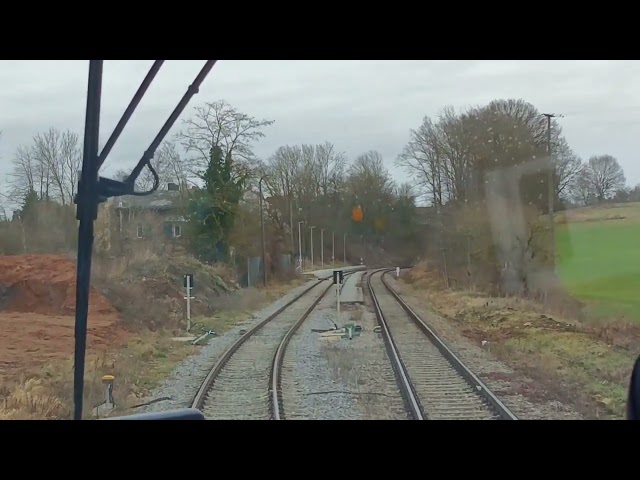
(188, 285)
(338, 278)
(107, 381)
(357, 214)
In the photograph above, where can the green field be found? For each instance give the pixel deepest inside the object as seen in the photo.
(599, 258)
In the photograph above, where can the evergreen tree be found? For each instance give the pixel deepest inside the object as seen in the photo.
(28, 213)
(213, 209)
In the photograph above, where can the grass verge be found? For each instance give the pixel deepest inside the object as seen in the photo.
(139, 365)
(599, 259)
(586, 364)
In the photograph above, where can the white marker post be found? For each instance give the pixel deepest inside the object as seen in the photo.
(337, 280)
(188, 284)
(397, 272)
(338, 303)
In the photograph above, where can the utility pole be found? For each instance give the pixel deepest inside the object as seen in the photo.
(551, 193)
(333, 249)
(264, 248)
(322, 248)
(300, 244)
(311, 229)
(291, 223)
(344, 248)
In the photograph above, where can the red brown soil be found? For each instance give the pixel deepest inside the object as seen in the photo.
(37, 309)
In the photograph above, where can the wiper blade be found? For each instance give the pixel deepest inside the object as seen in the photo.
(93, 189)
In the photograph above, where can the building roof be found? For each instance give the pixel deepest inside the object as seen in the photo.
(160, 200)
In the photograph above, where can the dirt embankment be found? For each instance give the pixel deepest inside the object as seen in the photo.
(37, 313)
(136, 307)
(147, 290)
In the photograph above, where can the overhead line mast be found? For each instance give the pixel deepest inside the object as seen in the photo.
(93, 189)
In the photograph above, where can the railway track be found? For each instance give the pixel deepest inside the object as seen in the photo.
(245, 381)
(435, 383)
(285, 380)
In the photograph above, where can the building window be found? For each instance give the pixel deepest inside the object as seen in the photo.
(140, 231)
(177, 231)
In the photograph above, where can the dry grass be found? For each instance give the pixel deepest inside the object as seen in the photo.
(359, 366)
(138, 366)
(240, 305)
(143, 262)
(129, 282)
(574, 358)
(31, 400)
(629, 212)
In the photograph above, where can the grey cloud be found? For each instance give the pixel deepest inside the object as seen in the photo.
(357, 105)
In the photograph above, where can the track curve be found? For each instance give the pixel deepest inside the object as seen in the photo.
(436, 384)
(245, 381)
(237, 387)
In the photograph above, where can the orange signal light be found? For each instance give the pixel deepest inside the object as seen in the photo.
(357, 214)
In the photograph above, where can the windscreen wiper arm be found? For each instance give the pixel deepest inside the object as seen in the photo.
(93, 189)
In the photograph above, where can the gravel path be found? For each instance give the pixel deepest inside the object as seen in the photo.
(335, 378)
(178, 390)
(501, 379)
(307, 388)
(366, 366)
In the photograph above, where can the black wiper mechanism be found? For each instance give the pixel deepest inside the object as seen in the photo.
(93, 189)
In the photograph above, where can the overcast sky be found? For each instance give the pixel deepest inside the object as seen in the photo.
(356, 105)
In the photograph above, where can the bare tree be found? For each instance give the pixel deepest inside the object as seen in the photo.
(467, 163)
(370, 185)
(23, 178)
(582, 192)
(283, 167)
(634, 194)
(622, 195)
(605, 175)
(316, 184)
(421, 158)
(58, 153)
(173, 167)
(3, 197)
(405, 190)
(369, 166)
(304, 182)
(169, 166)
(4, 203)
(330, 168)
(450, 159)
(141, 184)
(568, 167)
(220, 124)
(50, 166)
